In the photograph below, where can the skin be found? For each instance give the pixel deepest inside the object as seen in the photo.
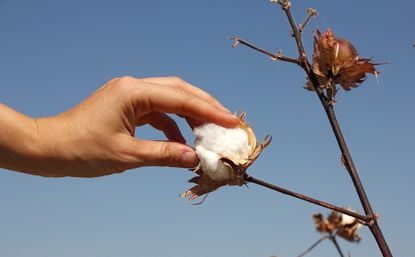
(97, 137)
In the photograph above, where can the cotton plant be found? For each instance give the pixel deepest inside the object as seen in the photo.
(225, 154)
(335, 65)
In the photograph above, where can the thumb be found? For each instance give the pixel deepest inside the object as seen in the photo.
(164, 153)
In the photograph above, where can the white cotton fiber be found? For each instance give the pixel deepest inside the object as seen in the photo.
(348, 220)
(214, 142)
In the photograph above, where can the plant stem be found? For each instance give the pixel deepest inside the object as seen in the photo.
(334, 240)
(314, 245)
(358, 216)
(373, 225)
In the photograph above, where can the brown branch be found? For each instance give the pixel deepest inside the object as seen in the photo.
(364, 219)
(314, 245)
(373, 226)
(277, 56)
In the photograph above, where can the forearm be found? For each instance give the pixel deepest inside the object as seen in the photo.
(20, 149)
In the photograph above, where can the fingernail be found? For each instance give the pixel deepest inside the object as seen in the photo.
(190, 159)
(235, 118)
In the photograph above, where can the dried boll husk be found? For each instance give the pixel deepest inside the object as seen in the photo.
(348, 228)
(342, 225)
(225, 155)
(336, 61)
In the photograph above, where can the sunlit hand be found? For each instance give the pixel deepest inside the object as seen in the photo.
(96, 137)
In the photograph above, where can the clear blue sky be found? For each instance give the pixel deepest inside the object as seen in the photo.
(53, 54)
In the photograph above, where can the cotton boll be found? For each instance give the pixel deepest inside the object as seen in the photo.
(212, 166)
(214, 142)
(346, 219)
(225, 154)
(227, 142)
(349, 220)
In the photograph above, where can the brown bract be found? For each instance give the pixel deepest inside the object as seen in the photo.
(333, 225)
(205, 184)
(335, 61)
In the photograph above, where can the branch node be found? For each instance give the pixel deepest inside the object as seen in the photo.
(372, 219)
(312, 12)
(285, 4)
(277, 56)
(235, 40)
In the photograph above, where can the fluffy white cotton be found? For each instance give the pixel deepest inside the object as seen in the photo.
(347, 220)
(213, 142)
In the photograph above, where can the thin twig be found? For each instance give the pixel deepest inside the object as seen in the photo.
(334, 240)
(310, 14)
(358, 216)
(314, 245)
(278, 56)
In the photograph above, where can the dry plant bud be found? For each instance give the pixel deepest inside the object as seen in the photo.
(335, 61)
(225, 154)
(312, 12)
(342, 225)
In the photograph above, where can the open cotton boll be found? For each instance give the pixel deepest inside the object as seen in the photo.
(349, 220)
(346, 219)
(214, 142)
(225, 154)
(339, 224)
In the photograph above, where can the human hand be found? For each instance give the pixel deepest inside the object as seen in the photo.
(96, 138)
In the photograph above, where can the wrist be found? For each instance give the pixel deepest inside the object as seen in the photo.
(55, 142)
(65, 146)
(44, 155)
(19, 141)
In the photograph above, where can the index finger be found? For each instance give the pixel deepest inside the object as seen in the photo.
(182, 84)
(154, 97)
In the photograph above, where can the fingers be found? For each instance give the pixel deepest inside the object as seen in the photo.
(155, 97)
(163, 122)
(161, 153)
(182, 84)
